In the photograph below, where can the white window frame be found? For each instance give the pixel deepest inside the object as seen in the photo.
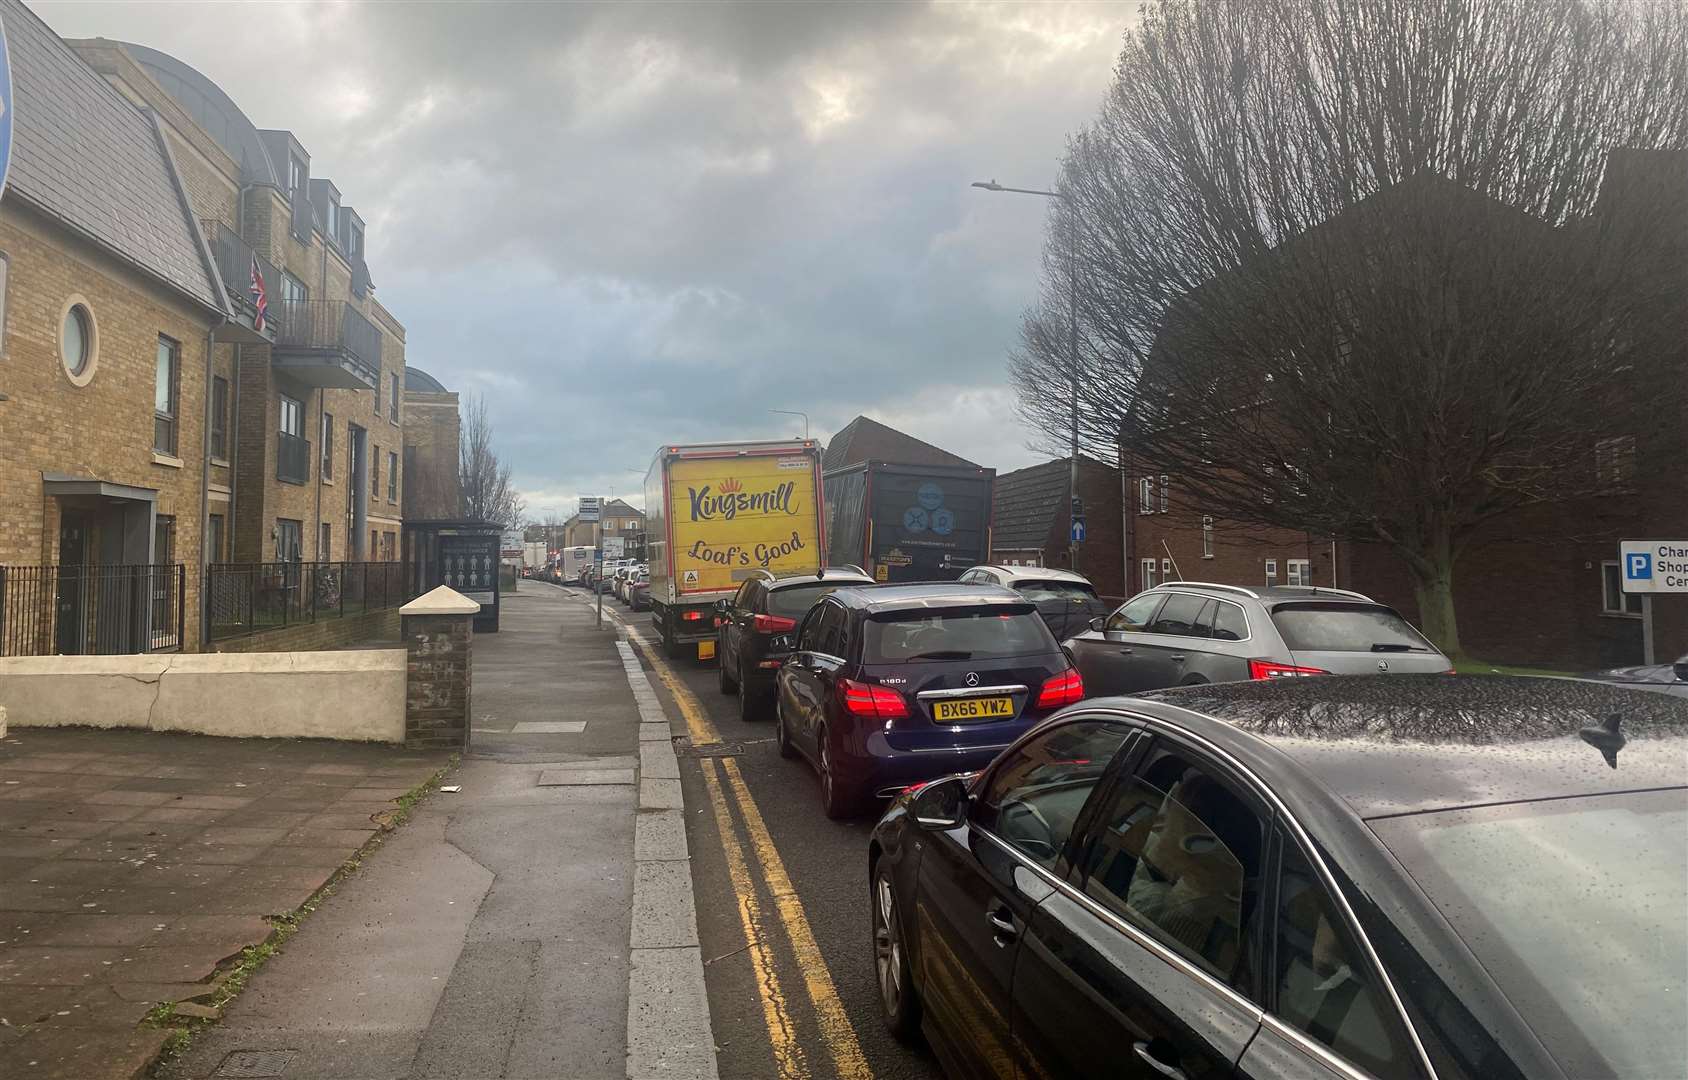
(1271, 571)
(1300, 571)
(1146, 495)
(1166, 570)
(1207, 536)
(1165, 486)
(1622, 599)
(1148, 568)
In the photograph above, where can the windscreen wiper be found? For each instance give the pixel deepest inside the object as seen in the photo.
(1394, 646)
(953, 655)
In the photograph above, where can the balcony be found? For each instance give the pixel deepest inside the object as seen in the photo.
(325, 343)
(235, 261)
(292, 458)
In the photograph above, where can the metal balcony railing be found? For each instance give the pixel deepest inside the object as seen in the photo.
(328, 326)
(235, 258)
(292, 458)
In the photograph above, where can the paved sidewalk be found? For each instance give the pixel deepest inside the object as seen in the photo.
(133, 863)
(491, 936)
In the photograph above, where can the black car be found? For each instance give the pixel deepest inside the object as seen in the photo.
(1474, 877)
(893, 684)
(754, 630)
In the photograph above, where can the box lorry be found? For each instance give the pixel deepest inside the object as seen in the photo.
(909, 522)
(718, 514)
(534, 554)
(572, 561)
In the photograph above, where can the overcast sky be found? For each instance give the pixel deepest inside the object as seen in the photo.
(640, 223)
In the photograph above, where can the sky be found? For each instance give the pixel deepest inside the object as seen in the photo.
(643, 223)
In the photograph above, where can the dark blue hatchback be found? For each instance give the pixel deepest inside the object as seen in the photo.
(891, 685)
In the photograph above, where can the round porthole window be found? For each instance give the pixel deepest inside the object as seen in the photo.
(79, 343)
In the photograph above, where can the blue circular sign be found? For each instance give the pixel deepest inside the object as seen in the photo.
(943, 522)
(914, 520)
(930, 495)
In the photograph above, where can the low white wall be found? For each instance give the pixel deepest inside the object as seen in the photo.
(356, 695)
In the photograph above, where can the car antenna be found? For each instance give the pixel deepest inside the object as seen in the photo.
(1605, 737)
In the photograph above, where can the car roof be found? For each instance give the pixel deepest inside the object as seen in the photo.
(927, 595)
(832, 574)
(1268, 593)
(1041, 573)
(1402, 744)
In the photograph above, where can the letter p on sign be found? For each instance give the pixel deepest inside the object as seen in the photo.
(1638, 566)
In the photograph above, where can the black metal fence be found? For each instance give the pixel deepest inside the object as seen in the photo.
(91, 610)
(247, 598)
(332, 325)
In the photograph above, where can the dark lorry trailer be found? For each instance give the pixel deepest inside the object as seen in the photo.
(909, 522)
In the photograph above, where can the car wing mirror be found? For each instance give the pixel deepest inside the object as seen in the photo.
(941, 804)
(1098, 624)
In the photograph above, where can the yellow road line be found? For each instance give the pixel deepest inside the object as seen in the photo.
(782, 1034)
(823, 994)
(697, 722)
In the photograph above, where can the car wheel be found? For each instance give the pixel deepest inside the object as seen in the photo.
(782, 738)
(749, 700)
(727, 683)
(899, 1008)
(837, 800)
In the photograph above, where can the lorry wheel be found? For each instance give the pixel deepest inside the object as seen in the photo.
(727, 683)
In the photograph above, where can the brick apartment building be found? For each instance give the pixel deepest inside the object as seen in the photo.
(1539, 586)
(1031, 521)
(306, 416)
(615, 518)
(433, 486)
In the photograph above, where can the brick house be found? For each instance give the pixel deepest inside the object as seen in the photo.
(433, 486)
(1031, 521)
(306, 411)
(1538, 586)
(107, 313)
(615, 518)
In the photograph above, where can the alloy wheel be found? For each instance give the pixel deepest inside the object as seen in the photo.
(887, 947)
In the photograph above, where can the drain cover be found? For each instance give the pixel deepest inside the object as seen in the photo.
(715, 749)
(254, 1064)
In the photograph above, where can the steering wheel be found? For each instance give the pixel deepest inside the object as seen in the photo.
(1021, 822)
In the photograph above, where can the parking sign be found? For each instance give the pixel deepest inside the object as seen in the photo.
(1654, 566)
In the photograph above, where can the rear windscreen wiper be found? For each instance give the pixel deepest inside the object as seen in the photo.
(1394, 646)
(952, 655)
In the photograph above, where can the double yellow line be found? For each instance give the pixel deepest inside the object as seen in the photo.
(745, 856)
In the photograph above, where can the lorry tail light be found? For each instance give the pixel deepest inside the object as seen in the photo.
(773, 624)
(692, 616)
(1271, 669)
(1062, 689)
(866, 699)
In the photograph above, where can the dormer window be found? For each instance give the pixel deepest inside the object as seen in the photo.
(334, 217)
(296, 174)
(354, 239)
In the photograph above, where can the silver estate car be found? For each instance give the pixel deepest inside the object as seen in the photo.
(1188, 632)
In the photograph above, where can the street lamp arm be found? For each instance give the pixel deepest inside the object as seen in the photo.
(992, 185)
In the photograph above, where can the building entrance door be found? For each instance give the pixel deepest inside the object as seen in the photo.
(76, 547)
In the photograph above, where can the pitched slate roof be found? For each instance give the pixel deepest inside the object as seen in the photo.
(81, 153)
(1026, 503)
(868, 440)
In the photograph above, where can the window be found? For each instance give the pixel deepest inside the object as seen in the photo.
(1165, 486)
(214, 539)
(166, 392)
(378, 395)
(609, 525)
(1178, 853)
(292, 288)
(1146, 495)
(1166, 570)
(374, 543)
(292, 417)
(1224, 621)
(163, 540)
(328, 446)
(375, 476)
(1271, 571)
(333, 222)
(1034, 795)
(971, 634)
(325, 543)
(354, 239)
(289, 540)
(296, 175)
(392, 477)
(1343, 627)
(1182, 615)
(219, 417)
(1207, 537)
(823, 630)
(1150, 579)
(78, 342)
(1613, 599)
(1133, 617)
(1614, 464)
(387, 546)
(1324, 988)
(393, 398)
(1300, 572)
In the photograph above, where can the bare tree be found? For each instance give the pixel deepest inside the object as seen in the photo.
(1379, 271)
(488, 494)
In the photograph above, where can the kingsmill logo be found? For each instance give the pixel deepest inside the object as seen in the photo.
(732, 500)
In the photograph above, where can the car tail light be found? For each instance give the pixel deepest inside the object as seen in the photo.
(1062, 689)
(773, 624)
(866, 699)
(692, 616)
(1271, 669)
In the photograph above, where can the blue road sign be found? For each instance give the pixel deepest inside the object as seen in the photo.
(1078, 530)
(1638, 566)
(5, 109)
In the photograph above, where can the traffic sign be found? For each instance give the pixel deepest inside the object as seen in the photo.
(1078, 507)
(1078, 530)
(1654, 566)
(615, 546)
(5, 108)
(588, 508)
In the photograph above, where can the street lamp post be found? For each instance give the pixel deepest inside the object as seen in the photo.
(1072, 340)
(794, 412)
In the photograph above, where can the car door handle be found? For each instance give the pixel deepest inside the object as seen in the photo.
(1178, 658)
(1171, 1072)
(1004, 929)
(1125, 652)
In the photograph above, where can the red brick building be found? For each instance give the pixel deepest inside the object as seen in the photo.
(1031, 521)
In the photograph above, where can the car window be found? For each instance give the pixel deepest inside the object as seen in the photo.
(809, 633)
(1133, 616)
(792, 601)
(828, 634)
(1224, 621)
(1033, 796)
(1181, 615)
(955, 634)
(1035, 589)
(1322, 987)
(741, 599)
(1178, 852)
(1346, 628)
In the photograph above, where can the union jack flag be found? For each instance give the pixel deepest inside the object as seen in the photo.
(260, 296)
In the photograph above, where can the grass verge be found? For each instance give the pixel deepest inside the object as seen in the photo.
(233, 979)
(1479, 667)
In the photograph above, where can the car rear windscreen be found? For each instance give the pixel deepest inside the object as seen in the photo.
(1346, 628)
(1036, 589)
(793, 601)
(971, 634)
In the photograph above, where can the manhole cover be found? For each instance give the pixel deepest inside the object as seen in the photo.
(714, 749)
(254, 1064)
